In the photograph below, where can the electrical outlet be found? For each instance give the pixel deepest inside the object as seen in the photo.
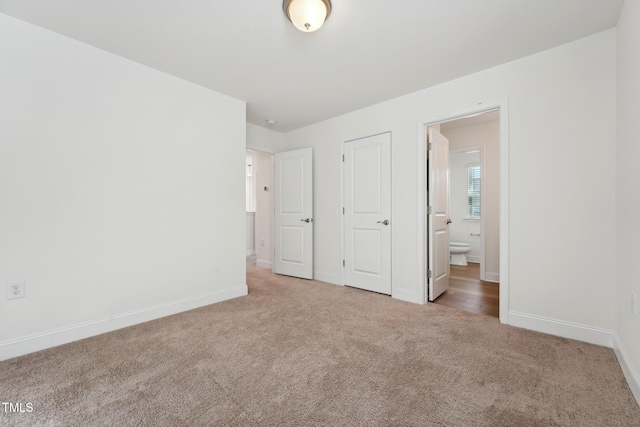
(15, 289)
(634, 304)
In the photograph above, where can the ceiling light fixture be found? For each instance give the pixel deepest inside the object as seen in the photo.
(307, 15)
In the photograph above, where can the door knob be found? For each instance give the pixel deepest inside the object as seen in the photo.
(385, 222)
(449, 221)
(307, 220)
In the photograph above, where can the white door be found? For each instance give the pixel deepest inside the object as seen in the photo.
(438, 212)
(293, 222)
(367, 213)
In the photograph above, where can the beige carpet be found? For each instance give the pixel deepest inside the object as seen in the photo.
(304, 353)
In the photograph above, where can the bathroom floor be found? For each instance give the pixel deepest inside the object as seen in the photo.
(467, 292)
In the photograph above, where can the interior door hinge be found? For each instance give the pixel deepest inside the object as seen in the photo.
(429, 210)
(342, 211)
(429, 146)
(343, 157)
(429, 274)
(343, 263)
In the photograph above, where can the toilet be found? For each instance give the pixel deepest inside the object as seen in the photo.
(458, 251)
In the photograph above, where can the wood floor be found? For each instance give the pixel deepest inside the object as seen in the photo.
(467, 292)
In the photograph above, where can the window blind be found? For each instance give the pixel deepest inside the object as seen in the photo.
(473, 193)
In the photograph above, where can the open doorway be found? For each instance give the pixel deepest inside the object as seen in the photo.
(480, 220)
(259, 208)
(475, 189)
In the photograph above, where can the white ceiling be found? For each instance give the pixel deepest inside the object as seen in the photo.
(368, 51)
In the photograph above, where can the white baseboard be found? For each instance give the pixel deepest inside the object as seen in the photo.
(492, 277)
(630, 374)
(264, 264)
(562, 329)
(404, 295)
(328, 278)
(36, 342)
(250, 252)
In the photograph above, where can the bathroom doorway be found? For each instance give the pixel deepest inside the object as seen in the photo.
(474, 191)
(478, 156)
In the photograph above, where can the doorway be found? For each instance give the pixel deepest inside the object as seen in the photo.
(475, 189)
(259, 208)
(495, 262)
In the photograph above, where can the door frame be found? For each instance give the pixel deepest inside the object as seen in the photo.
(344, 140)
(503, 108)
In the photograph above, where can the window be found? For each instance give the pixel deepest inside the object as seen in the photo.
(473, 191)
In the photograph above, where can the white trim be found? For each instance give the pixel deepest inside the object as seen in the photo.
(483, 218)
(327, 278)
(632, 377)
(264, 264)
(406, 295)
(273, 212)
(474, 259)
(503, 107)
(40, 341)
(394, 216)
(504, 211)
(341, 213)
(492, 277)
(261, 149)
(250, 252)
(561, 328)
(422, 213)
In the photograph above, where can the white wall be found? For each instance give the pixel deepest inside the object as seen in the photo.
(262, 139)
(627, 202)
(122, 191)
(264, 210)
(561, 127)
(486, 136)
(250, 233)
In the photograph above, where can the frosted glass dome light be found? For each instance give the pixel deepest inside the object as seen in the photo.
(307, 15)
